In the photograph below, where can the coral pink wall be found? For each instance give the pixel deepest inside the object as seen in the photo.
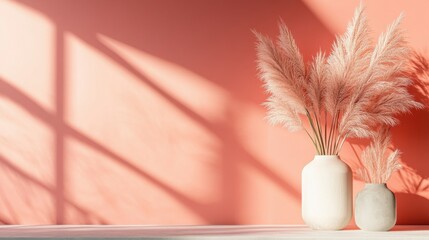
(149, 112)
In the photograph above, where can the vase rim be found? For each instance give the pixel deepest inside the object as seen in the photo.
(326, 157)
(375, 184)
(332, 155)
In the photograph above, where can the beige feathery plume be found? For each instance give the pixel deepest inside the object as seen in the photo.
(283, 71)
(317, 82)
(348, 59)
(382, 93)
(378, 165)
(391, 48)
(281, 113)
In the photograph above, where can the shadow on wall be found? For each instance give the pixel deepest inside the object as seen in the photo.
(411, 137)
(414, 129)
(214, 40)
(205, 47)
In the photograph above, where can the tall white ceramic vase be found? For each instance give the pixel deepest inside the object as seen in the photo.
(375, 208)
(327, 193)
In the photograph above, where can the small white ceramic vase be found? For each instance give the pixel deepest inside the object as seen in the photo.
(327, 193)
(375, 208)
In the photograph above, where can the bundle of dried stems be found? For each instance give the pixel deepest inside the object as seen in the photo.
(359, 87)
(377, 164)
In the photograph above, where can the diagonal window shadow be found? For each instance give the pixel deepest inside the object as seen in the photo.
(218, 129)
(222, 130)
(37, 111)
(51, 189)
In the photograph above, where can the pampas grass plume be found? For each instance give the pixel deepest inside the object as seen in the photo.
(378, 165)
(357, 88)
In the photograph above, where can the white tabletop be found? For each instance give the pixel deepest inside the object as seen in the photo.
(202, 232)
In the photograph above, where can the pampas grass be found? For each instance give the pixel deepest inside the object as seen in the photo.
(378, 165)
(357, 88)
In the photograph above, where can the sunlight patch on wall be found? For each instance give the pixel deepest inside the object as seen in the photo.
(335, 16)
(155, 134)
(27, 48)
(197, 93)
(27, 69)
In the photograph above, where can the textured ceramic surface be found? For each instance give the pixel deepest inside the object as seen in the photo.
(326, 193)
(375, 208)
